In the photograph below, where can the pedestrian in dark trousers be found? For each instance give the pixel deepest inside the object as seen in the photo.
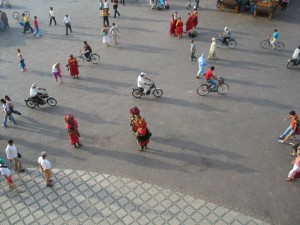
(67, 22)
(105, 17)
(123, 2)
(26, 24)
(193, 50)
(284, 4)
(51, 16)
(115, 7)
(197, 4)
(11, 106)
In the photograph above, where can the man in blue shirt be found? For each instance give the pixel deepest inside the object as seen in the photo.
(275, 37)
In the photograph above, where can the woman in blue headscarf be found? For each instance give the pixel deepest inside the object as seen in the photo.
(202, 63)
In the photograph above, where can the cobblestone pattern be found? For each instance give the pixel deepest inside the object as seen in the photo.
(80, 197)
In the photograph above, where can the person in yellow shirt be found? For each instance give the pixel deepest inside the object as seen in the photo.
(26, 24)
(105, 15)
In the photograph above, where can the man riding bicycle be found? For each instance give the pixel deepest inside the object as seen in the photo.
(211, 79)
(226, 35)
(86, 51)
(274, 39)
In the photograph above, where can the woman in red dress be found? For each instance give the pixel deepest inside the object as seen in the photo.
(195, 18)
(134, 118)
(73, 67)
(179, 28)
(189, 23)
(143, 134)
(172, 26)
(72, 129)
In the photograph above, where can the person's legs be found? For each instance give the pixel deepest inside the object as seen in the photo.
(66, 28)
(25, 27)
(212, 83)
(286, 132)
(50, 21)
(4, 121)
(18, 164)
(12, 119)
(70, 27)
(54, 20)
(14, 111)
(48, 176)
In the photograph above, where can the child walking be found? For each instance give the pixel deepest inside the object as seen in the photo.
(21, 61)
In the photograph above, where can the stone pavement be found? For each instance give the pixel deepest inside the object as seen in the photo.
(80, 197)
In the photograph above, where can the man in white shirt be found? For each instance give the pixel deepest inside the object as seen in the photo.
(35, 94)
(12, 155)
(296, 54)
(45, 165)
(67, 22)
(7, 113)
(142, 82)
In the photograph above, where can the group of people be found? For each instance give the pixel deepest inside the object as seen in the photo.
(292, 130)
(139, 128)
(8, 110)
(177, 24)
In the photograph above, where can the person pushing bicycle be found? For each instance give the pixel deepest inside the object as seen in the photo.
(86, 51)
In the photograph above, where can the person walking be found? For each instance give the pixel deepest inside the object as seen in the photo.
(179, 28)
(193, 50)
(7, 114)
(189, 4)
(67, 21)
(56, 71)
(26, 24)
(51, 16)
(293, 116)
(4, 19)
(172, 26)
(114, 30)
(73, 67)
(37, 29)
(6, 174)
(296, 168)
(12, 154)
(72, 129)
(45, 165)
(115, 7)
(105, 35)
(11, 106)
(22, 65)
(105, 17)
(212, 54)
(284, 4)
(202, 63)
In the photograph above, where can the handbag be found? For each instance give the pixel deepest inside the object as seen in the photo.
(19, 155)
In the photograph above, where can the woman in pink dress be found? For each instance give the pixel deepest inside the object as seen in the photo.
(72, 129)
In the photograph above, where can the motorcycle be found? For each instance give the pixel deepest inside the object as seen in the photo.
(291, 63)
(138, 92)
(32, 102)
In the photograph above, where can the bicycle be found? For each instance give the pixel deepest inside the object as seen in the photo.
(267, 43)
(222, 87)
(19, 17)
(231, 43)
(95, 58)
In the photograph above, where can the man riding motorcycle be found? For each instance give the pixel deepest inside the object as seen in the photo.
(226, 35)
(142, 82)
(296, 55)
(36, 95)
(86, 50)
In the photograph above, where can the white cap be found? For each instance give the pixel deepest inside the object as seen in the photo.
(33, 85)
(226, 28)
(143, 74)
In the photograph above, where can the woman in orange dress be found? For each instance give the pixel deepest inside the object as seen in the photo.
(172, 26)
(179, 28)
(143, 134)
(134, 118)
(189, 23)
(72, 129)
(73, 67)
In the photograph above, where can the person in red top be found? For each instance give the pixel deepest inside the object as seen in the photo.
(36, 25)
(172, 26)
(179, 28)
(73, 67)
(210, 78)
(189, 22)
(195, 17)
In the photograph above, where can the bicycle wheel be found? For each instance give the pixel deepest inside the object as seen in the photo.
(80, 60)
(157, 92)
(219, 43)
(26, 13)
(95, 58)
(223, 88)
(231, 43)
(136, 93)
(279, 46)
(265, 44)
(51, 101)
(15, 15)
(202, 89)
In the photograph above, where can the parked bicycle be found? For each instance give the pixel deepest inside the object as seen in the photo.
(222, 87)
(267, 43)
(95, 58)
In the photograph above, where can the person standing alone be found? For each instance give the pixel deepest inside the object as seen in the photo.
(51, 16)
(193, 50)
(21, 61)
(12, 154)
(45, 165)
(115, 7)
(67, 22)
